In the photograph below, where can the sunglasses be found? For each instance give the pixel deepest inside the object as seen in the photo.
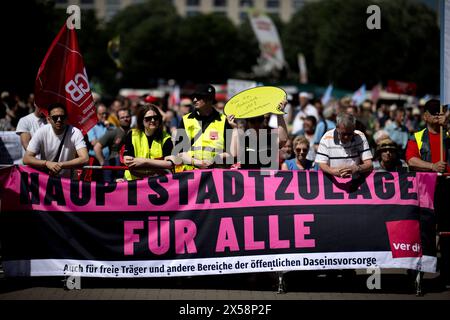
(150, 118)
(302, 150)
(60, 117)
(436, 113)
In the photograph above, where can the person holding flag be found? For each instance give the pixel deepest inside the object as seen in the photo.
(424, 148)
(427, 151)
(63, 93)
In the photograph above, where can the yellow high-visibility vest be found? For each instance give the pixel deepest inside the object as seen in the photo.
(418, 136)
(212, 141)
(142, 150)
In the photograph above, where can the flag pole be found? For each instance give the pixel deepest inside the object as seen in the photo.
(444, 65)
(441, 137)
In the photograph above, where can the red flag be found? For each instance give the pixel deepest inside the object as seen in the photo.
(62, 78)
(401, 87)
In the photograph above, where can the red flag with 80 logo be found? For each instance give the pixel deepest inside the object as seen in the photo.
(62, 78)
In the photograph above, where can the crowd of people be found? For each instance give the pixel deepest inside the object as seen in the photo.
(383, 134)
(149, 137)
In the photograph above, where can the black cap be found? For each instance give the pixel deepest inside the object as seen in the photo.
(433, 106)
(205, 91)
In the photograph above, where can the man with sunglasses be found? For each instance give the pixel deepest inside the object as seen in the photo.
(47, 141)
(423, 149)
(423, 153)
(344, 151)
(205, 128)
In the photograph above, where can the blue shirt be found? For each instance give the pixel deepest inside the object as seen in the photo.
(96, 133)
(292, 164)
(398, 134)
(320, 130)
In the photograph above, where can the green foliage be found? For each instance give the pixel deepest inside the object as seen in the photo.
(157, 43)
(339, 48)
(27, 29)
(208, 47)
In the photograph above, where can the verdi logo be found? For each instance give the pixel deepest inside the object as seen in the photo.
(404, 238)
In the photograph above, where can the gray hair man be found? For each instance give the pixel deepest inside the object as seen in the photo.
(344, 151)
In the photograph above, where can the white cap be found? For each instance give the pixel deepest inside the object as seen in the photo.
(416, 111)
(304, 95)
(5, 94)
(185, 102)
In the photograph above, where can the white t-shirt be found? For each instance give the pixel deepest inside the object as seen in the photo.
(30, 123)
(332, 152)
(309, 110)
(46, 143)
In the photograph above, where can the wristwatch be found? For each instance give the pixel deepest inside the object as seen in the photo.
(173, 164)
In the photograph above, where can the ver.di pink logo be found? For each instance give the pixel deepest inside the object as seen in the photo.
(404, 238)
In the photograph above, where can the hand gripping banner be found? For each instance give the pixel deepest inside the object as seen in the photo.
(215, 222)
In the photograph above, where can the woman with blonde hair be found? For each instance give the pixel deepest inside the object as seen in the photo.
(301, 149)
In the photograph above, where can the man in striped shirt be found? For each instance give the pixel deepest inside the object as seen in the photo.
(344, 151)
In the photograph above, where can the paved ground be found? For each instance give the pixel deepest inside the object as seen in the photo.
(395, 285)
(322, 297)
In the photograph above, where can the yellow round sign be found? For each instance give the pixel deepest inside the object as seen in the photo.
(255, 102)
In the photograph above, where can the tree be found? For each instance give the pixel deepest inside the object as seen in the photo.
(210, 49)
(27, 29)
(93, 42)
(25, 48)
(156, 43)
(339, 47)
(148, 35)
